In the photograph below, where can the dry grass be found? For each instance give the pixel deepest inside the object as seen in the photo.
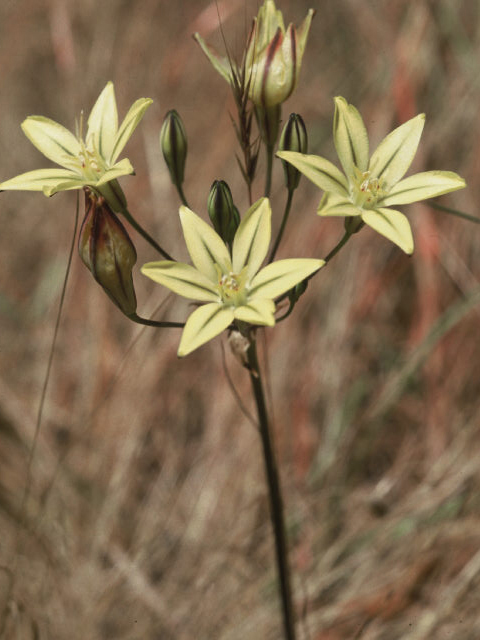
(148, 515)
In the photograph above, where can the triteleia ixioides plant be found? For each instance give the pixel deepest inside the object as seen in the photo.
(272, 59)
(235, 285)
(231, 284)
(369, 186)
(87, 162)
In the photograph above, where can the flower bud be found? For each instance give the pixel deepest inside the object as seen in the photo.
(106, 249)
(293, 138)
(173, 142)
(274, 55)
(223, 213)
(272, 58)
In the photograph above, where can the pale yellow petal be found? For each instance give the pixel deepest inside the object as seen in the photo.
(205, 323)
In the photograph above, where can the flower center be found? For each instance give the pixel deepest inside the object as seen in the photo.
(366, 191)
(232, 287)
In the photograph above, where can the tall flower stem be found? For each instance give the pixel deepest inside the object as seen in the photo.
(146, 236)
(275, 495)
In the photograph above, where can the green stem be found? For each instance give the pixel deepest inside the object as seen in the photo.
(275, 495)
(346, 237)
(455, 212)
(182, 195)
(128, 216)
(286, 213)
(268, 177)
(155, 323)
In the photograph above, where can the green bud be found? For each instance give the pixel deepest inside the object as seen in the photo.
(293, 138)
(297, 291)
(223, 213)
(106, 249)
(173, 142)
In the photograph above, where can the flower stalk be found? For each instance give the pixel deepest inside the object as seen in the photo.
(274, 494)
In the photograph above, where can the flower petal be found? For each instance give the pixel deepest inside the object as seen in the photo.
(205, 323)
(252, 238)
(421, 186)
(302, 35)
(220, 64)
(204, 245)
(53, 140)
(122, 168)
(282, 275)
(334, 205)
(103, 122)
(65, 185)
(393, 225)
(182, 279)
(350, 137)
(395, 153)
(257, 312)
(128, 126)
(37, 180)
(319, 170)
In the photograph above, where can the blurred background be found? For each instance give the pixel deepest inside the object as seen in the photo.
(148, 515)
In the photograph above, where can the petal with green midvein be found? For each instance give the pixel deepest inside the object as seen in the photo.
(204, 245)
(395, 153)
(122, 168)
(282, 275)
(257, 312)
(252, 238)
(37, 180)
(332, 204)
(182, 279)
(320, 171)
(53, 140)
(350, 137)
(129, 124)
(393, 225)
(103, 122)
(204, 323)
(421, 186)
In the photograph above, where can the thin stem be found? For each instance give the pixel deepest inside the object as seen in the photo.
(346, 237)
(286, 314)
(182, 195)
(145, 235)
(155, 323)
(268, 177)
(28, 482)
(286, 213)
(455, 212)
(275, 496)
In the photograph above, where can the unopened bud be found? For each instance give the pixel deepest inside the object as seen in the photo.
(173, 142)
(223, 213)
(106, 249)
(297, 291)
(293, 138)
